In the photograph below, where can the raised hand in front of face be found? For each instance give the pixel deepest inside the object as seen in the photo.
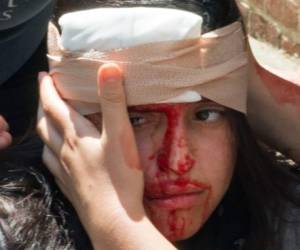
(5, 137)
(89, 166)
(99, 173)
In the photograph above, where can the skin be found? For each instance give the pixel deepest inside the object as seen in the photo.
(280, 102)
(5, 136)
(184, 149)
(170, 150)
(88, 174)
(284, 92)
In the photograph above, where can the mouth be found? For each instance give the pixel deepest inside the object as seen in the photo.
(178, 201)
(174, 195)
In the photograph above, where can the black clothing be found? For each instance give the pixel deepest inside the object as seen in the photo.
(23, 24)
(19, 94)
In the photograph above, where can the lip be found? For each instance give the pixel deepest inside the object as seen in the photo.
(173, 187)
(179, 201)
(179, 194)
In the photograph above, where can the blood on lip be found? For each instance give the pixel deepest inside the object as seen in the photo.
(180, 193)
(180, 182)
(174, 188)
(177, 225)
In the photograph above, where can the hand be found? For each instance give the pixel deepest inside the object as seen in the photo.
(99, 173)
(90, 167)
(5, 137)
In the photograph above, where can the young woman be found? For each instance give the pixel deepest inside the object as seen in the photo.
(187, 173)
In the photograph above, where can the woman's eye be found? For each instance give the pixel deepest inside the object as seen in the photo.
(137, 120)
(208, 115)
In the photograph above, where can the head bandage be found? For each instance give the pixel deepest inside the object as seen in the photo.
(164, 56)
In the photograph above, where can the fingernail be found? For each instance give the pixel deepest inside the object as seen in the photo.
(109, 73)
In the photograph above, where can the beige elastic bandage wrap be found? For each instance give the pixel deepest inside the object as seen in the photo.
(213, 65)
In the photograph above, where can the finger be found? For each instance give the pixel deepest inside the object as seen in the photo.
(53, 105)
(52, 163)
(5, 139)
(48, 132)
(116, 125)
(3, 124)
(64, 117)
(112, 98)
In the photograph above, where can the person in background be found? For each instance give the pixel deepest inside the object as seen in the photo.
(23, 25)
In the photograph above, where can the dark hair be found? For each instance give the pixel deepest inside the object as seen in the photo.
(34, 214)
(27, 217)
(266, 185)
(270, 191)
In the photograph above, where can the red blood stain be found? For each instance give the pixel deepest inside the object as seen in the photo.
(172, 221)
(172, 138)
(173, 113)
(176, 225)
(181, 184)
(284, 92)
(151, 157)
(185, 164)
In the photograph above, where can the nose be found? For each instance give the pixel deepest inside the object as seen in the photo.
(175, 154)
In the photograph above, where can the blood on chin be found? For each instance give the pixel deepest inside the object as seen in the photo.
(178, 215)
(182, 219)
(175, 225)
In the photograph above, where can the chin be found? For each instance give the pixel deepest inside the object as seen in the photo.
(177, 225)
(186, 234)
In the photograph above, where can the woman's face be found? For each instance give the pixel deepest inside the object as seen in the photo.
(188, 153)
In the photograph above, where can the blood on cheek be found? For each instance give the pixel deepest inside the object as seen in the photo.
(174, 142)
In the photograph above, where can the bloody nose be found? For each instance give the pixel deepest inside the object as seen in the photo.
(174, 155)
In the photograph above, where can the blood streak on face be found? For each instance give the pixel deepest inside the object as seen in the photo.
(177, 222)
(174, 138)
(187, 160)
(174, 156)
(176, 225)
